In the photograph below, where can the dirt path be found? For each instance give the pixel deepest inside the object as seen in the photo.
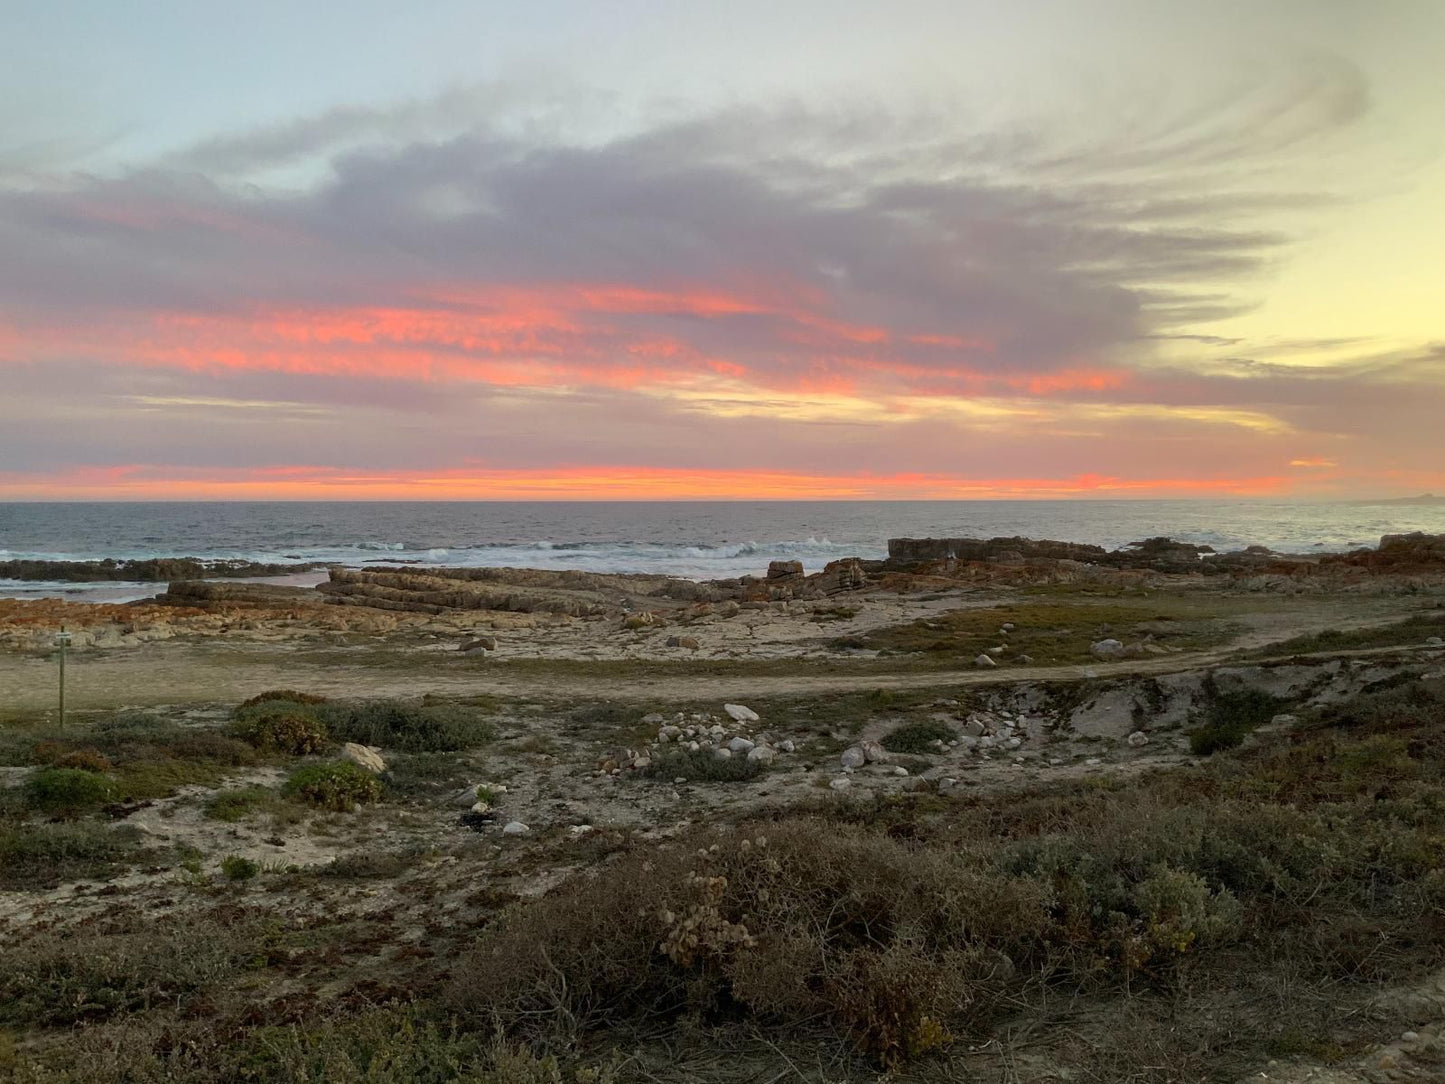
(207, 673)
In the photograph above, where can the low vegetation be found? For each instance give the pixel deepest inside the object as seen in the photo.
(702, 766)
(340, 786)
(1049, 633)
(918, 737)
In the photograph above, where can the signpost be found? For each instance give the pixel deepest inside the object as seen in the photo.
(62, 641)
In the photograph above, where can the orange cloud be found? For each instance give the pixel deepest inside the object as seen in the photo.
(153, 482)
(1314, 461)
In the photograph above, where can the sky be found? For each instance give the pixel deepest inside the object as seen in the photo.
(625, 249)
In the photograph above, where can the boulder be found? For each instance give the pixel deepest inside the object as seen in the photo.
(781, 570)
(1107, 649)
(363, 756)
(853, 757)
(741, 745)
(984, 661)
(762, 754)
(741, 714)
(515, 828)
(1138, 738)
(873, 752)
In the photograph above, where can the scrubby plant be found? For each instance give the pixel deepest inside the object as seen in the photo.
(340, 786)
(288, 696)
(285, 731)
(67, 791)
(88, 759)
(236, 868)
(46, 854)
(918, 736)
(237, 804)
(406, 727)
(1229, 719)
(702, 766)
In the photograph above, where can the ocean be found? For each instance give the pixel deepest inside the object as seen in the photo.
(698, 540)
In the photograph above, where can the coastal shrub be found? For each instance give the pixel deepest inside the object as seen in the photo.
(407, 728)
(702, 766)
(236, 868)
(288, 696)
(283, 732)
(88, 759)
(340, 786)
(904, 928)
(41, 855)
(64, 979)
(918, 737)
(67, 791)
(238, 804)
(1230, 718)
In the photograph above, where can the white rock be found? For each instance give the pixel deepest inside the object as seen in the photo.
(717, 730)
(853, 757)
(1434, 641)
(1410, 1037)
(740, 713)
(580, 829)
(363, 756)
(1008, 626)
(642, 763)
(722, 752)
(1093, 762)
(1284, 719)
(653, 719)
(741, 745)
(787, 746)
(693, 747)
(984, 661)
(900, 770)
(1137, 739)
(515, 828)
(481, 807)
(762, 754)
(681, 779)
(874, 752)
(1014, 743)
(1107, 649)
(841, 783)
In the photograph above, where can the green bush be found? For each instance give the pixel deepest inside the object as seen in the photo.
(286, 731)
(1230, 718)
(288, 696)
(236, 868)
(918, 737)
(340, 786)
(703, 766)
(67, 791)
(407, 728)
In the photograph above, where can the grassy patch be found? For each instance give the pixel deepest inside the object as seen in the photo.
(1413, 630)
(1049, 633)
(67, 792)
(918, 736)
(41, 855)
(703, 766)
(238, 803)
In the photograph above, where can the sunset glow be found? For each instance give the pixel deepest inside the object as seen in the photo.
(1094, 280)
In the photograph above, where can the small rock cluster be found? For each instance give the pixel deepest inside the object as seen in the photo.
(698, 731)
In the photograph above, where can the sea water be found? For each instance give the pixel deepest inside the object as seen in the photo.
(699, 540)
